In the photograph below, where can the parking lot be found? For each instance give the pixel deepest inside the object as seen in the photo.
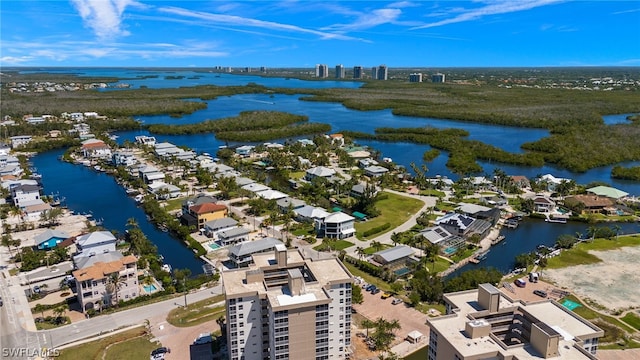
(410, 319)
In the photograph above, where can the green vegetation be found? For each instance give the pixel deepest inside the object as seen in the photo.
(130, 344)
(333, 245)
(578, 255)
(394, 210)
(632, 319)
(248, 126)
(630, 173)
(197, 313)
(592, 315)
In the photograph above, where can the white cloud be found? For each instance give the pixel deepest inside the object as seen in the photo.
(220, 19)
(104, 17)
(15, 60)
(493, 8)
(369, 20)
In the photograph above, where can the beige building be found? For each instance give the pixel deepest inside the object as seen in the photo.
(96, 288)
(287, 306)
(486, 324)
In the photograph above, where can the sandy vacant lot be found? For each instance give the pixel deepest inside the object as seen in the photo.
(612, 283)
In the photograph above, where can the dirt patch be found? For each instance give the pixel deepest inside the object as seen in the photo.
(611, 283)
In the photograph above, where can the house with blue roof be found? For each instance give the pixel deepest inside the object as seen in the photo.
(50, 239)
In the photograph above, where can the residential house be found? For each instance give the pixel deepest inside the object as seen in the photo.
(146, 140)
(20, 140)
(463, 225)
(94, 148)
(271, 194)
(96, 287)
(236, 235)
(150, 174)
(470, 209)
(219, 170)
(551, 181)
(363, 163)
(24, 193)
(312, 214)
(245, 150)
(544, 204)
(32, 210)
(241, 255)
(593, 204)
(289, 203)
(11, 170)
(198, 215)
(213, 227)
(55, 134)
(337, 225)
(447, 242)
(124, 157)
(4, 149)
(375, 171)
(607, 191)
(520, 181)
(164, 191)
(242, 181)
(50, 239)
(255, 188)
(95, 243)
(359, 189)
(394, 258)
(319, 172)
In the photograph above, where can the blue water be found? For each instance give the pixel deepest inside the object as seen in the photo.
(529, 234)
(214, 246)
(149, 288)
(86, 190)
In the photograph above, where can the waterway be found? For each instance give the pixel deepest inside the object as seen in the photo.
(88, 191)
(531, 233)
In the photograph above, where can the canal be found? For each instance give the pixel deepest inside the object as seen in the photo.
(88, 191)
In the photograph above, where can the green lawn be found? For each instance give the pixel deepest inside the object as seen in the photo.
(335, 245)
(395, 210)
(384, 286)
(370, 250)
(579, 255)
(590, 314)
(439, 265)
(632, 319)
(173, 204)
(432, 192)
(197, 313)
(297, 175)
(131, 344)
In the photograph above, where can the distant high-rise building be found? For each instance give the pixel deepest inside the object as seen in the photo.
(340, 71)
(288, 306)
(247, 69)
(374, 72)
(437, 78)
(383, 72)
(415, 77)
(358, 72)
(263, 69)
(322, 71)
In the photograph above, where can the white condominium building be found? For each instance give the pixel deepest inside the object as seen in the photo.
(287, 306)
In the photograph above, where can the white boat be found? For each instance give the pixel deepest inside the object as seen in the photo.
(139, 198)
(166, 267)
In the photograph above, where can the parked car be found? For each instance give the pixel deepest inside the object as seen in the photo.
(370, 287)
(158, 354)
(397, 301)
(385, 295)
(36, 289)
(375, 291)
(540, 293)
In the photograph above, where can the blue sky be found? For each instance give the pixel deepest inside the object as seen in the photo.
(304, 33)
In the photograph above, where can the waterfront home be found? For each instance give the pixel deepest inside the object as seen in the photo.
(22, 193)
(375, 171)
(359, 189)
(213, 227)
(312, 214)
(164, 191)
(146, 140)
(4, 149)
(463, 225)
(219, 170)
(35, 120)
(11, 170)
(255, 188)
(244, 150)
(96, 287)
(337, 225)
(592, 204)
(50, 239)
(124, 157)
(306, 142)
(319, 172)
(198, 215)
(607, 191)
(289, 203)
(95, 243)
(363, 163)
(241, 255)
(544, 204)
(150, 174)
(447, 242)
(55, 134)
(551, 181)
(470, 209)
(8, 160)
(441, 182)
(20, 140)
(337, 139)
(34, 209)
(394, 258)
(94, 148)
(242, 181)
(233, 236)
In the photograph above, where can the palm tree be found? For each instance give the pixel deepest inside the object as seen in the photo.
(377, 245)
(40, 308)
(115, 282)
(360, 252)
(617, 229)
(60, 311)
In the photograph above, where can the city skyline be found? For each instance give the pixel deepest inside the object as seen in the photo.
(499, 33)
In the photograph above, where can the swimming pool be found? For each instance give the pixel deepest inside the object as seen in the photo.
(450, 250)
(571, 305)
(214, 246)
(149, 288)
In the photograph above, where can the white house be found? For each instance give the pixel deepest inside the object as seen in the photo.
(375, 170)
(319, 172)
(242, 254)
(20, 140)
(245, 150)
(24, 193)
(213, 227)
(124, 158)
(233, 236)
(150, 174)
(338, 225)
(94, 243)
(95, 148)
(146, 140)
(308, 213)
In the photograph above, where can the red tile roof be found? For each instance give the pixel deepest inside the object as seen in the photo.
(207, 208)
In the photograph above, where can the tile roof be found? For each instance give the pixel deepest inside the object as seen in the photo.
(101, 270)
(207, 208)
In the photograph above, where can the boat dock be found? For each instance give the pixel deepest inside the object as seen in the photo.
(497, 240)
